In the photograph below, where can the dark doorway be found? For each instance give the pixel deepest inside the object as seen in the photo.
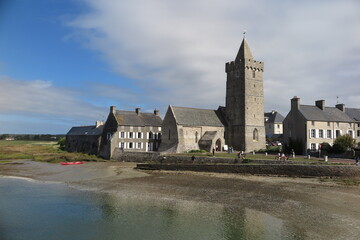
(218, 145)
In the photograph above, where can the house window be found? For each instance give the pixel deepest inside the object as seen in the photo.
(350, 133)
(196, 137)
(312, 123)
(131, 134)
(122, 134)
(139, 135)
(313, 133)
(337, 124)
(150, 135)
(139, 145)
(338, 133)
(358, 133)
(321, 133)
(328, 133)
(278, 125)
(131, 145)
(313, 146)
(122, 145)
(159, 136)
(255, 135)
(328, 123)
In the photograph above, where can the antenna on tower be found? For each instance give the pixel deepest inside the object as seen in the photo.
(244, 33)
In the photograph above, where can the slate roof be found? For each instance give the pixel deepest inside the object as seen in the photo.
(197, 117)
(274, 117)
(329, 114)
(354, 113)
(244, 51)
(130, 118)
(86, 130)
(208, 136)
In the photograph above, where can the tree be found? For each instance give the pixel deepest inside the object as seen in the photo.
(343, 143)
(61, 143)
(325, 148)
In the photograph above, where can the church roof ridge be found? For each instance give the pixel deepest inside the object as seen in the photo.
(193, 108)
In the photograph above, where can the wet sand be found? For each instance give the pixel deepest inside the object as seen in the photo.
(324, 210)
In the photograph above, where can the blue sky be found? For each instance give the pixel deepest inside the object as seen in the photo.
(64, 62)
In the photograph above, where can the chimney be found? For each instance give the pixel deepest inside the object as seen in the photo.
(295, 103)
(99, 123)
(340, 106)
(112, 109)
(138, 111)
(320, 104)
(156, 112)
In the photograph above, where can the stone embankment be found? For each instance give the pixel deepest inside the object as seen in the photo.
(236, 165)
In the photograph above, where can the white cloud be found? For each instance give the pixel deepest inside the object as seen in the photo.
(180, 47)
(41, 100)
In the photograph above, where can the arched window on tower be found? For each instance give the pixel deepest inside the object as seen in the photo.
(255, 135)
(253, 73)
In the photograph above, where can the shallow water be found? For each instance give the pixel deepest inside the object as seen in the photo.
(45, 211)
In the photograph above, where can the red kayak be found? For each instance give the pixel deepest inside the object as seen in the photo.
(71, 163)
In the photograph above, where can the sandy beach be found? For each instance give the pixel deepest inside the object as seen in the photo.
(323, 209)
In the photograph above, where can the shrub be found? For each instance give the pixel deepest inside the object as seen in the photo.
(61, 143)
(343, 143)
(326, 147)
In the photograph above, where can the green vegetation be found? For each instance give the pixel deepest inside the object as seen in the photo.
(343, 143)
(40, 151)
(197, 151)
(32, 137)
(61, 143)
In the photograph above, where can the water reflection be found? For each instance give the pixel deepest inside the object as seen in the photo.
(40, 211)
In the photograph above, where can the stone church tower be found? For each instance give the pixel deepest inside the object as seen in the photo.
(245, 102)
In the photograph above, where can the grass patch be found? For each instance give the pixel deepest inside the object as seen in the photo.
(5, 161)
(40, 151)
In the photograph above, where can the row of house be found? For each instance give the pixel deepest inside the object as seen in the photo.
(241, 124)
(310, 126)
(185, 129)
(130, 131)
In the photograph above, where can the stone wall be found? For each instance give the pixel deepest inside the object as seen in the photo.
(124, 156)
(263, 169)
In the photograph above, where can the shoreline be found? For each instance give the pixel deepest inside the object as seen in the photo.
(325, 210)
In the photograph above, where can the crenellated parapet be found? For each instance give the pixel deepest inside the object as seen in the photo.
(247, 63)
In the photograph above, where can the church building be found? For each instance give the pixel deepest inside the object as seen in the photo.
(240, 124)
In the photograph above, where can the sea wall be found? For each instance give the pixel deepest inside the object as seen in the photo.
(144, 157)
(263, 169)
(124, 156)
